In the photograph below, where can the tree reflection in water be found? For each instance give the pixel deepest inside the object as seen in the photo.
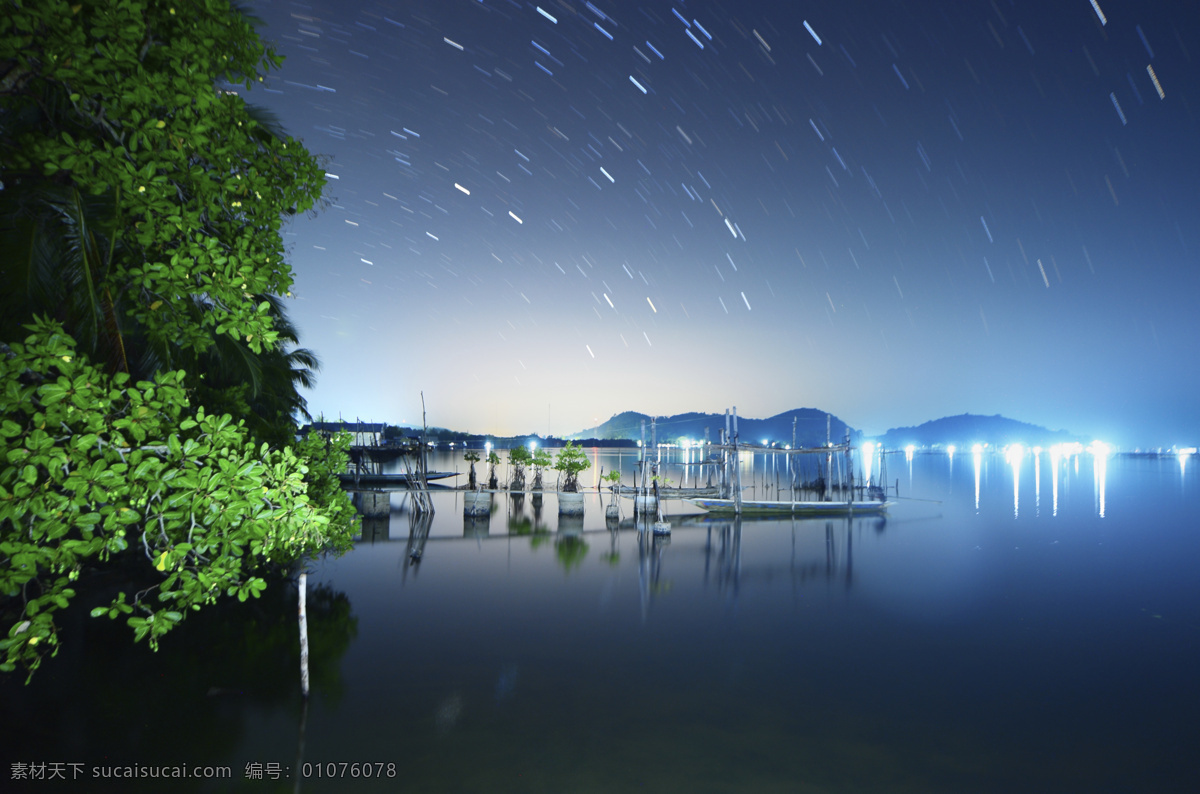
(103, 695)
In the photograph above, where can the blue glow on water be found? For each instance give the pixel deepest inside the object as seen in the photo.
(969, 641)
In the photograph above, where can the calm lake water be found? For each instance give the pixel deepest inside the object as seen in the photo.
(1008, 627)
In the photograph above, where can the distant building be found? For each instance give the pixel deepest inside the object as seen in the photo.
(363, 433)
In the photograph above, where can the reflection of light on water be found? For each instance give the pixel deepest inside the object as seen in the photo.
(868, 455)
(950, 450)
(1055, 452)
(1099, 452)
(977, 454)
(1037, 481)
(1184, 454)
(1014, 454)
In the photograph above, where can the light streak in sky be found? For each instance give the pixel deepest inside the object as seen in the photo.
(453, 44)
(1117, 105)
(1099, 13)
(602, 30)
(762, 41)
(986, 229)
(1145, 43)
(546, 15)
(680, 17)
(731, 229)
(746, 301)
(655, 51)
(641, 87)
(514, 217)
(463, 189)
(598, 12)
(808, 27)
(1157, 85)
(708, 35)
(691, 36)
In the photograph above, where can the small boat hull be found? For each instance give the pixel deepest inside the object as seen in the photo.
(760, 507)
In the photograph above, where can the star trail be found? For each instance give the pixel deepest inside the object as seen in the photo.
(891, 211)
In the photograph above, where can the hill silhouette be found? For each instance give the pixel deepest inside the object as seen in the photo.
(966, 430)
(810, 424)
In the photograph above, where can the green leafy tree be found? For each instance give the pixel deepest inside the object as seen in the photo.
(99, 468)
(493, 461)
(472, 457)
(140, 225)
(571, 461)
(120, 106)
(518, 457)
(541, 461)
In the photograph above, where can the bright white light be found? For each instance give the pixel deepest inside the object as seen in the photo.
(1014, 453)
(1099, 449)
(977, 449)
(532, 446)
(765, 442)
(951, 449)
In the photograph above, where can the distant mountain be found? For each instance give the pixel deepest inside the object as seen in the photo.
(969, 429)
(810, 428)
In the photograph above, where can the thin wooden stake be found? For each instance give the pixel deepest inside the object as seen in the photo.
(304, 634)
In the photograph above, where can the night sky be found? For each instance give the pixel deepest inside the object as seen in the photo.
(542, 215)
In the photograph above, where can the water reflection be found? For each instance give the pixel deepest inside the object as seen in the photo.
(1099, 472)
(375, 529)
(1037, 481)
(977, 455)
(105, 700)
(1014, 454)
(418, 535)
(650, 565)
(1054, 467)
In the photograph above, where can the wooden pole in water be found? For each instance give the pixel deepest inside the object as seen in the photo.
(304, 633)
(737, 469)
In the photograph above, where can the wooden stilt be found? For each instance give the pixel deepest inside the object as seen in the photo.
(304, 634)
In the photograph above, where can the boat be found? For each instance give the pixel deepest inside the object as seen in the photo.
(771, 507)
(388, 480)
